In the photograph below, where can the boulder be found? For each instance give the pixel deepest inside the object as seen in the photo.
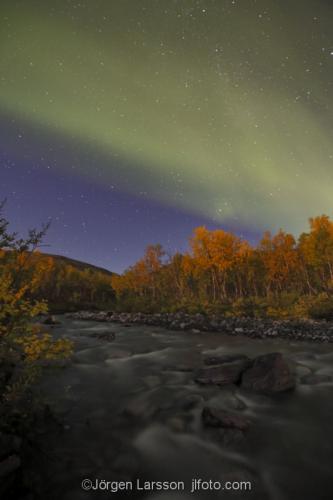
(228, 437)
(226, 399)
(101, 316)
(50, 320)
(268, 374)
(215, 417)
(223, 374)
(224, 358)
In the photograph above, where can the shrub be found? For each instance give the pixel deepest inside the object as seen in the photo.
(321, 308)
(251, 307)
(24, 346)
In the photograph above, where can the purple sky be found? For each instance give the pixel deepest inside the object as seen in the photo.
(100, 225)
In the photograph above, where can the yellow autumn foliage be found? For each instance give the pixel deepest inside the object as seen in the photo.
(23, 342)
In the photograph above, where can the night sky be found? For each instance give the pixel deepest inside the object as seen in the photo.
(129, 122)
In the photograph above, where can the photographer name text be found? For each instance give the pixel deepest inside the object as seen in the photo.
(193, 486)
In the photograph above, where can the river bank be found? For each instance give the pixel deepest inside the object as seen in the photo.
(304, 330)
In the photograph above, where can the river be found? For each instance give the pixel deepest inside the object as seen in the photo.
(130, 410)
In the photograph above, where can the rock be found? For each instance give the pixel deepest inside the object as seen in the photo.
(215, 417)
(224, 358)
(226, 373)
(269, 374)
(50, 320)
(313, 379)
(101, 316)
(226, 400)
(229, 437)
(108, 336)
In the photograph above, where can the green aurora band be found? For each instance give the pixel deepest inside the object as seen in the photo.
(218, 108)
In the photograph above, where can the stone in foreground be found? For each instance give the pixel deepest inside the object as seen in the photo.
(214, 417)
(268, 374)
(226, 373)
(224, 358)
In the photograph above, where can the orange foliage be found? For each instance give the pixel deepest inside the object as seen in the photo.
(221, 266)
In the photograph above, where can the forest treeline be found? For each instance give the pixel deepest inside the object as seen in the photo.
(63, 284)
(223, 273)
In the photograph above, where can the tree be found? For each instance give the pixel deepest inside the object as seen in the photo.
(221, 269)
(280, 258)
(216, 252)
(316, 249)
(23, 343)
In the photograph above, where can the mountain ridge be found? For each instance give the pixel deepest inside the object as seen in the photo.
(78, 263)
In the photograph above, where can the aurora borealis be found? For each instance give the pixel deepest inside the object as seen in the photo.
(180, 112)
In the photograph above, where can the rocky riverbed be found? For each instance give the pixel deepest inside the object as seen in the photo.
(306, 330)
(153, 404)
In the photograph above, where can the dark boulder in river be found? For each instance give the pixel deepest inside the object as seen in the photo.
(224, 358)
(222, 374)
(269, 374)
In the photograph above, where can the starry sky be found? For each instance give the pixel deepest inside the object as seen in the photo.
(132, 122)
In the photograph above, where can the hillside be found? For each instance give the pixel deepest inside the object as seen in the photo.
(78, 264)
(66, 284)
(70, 285)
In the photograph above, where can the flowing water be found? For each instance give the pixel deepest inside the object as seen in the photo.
(130, 409)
